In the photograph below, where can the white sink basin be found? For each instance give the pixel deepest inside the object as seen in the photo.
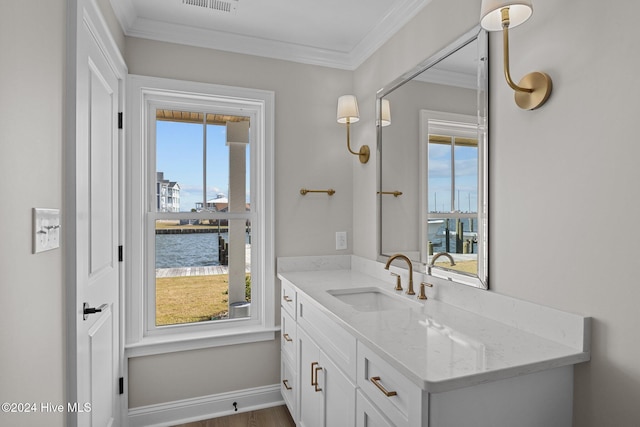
(372, 299)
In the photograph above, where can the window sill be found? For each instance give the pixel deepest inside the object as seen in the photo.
(169, 343)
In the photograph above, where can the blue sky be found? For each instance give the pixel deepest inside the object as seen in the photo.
(179, 153)
(466, 168)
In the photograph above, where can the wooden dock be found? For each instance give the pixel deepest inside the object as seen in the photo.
(203, 271)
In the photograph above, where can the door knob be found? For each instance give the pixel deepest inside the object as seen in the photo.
(86, 310)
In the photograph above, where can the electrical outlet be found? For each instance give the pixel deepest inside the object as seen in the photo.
(341, 240)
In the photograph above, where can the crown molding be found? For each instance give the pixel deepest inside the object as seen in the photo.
(395, 19)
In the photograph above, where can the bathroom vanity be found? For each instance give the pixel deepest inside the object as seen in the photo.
(357, 353)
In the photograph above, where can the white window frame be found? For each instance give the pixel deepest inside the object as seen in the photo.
(142, 336)
(433, 122)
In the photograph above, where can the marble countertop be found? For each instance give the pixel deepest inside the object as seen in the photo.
(436, 345)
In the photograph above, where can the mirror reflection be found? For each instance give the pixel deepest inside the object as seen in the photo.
(432, 171)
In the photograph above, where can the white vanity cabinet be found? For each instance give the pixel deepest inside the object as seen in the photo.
(318, 365)
(432, 365)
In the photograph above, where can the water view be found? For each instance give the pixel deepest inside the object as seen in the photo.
(189, 250)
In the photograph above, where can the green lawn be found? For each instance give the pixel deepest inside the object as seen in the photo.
(188, 299)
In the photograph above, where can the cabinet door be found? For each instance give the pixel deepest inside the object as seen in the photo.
(311, 397)
(327, 396)
(339, 394)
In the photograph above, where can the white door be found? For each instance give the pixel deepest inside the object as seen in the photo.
(93, 248)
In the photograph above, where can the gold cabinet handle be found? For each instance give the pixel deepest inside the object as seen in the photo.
(314, 380)
(376, 382)
(314, 375)
(286, 385)
(287, 337)
(318, 368)
(286, 298)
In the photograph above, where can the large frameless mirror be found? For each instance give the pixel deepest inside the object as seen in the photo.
(432, 163)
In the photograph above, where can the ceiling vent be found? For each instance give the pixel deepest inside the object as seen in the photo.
(226, 6)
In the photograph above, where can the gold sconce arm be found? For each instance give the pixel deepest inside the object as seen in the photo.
(364, 153)
(533, 90)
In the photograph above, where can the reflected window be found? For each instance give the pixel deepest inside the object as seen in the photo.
(452, 160)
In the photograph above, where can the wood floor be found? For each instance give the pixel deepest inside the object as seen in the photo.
(271, 417)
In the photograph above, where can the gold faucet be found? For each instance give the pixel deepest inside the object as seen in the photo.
(410, 291)
(435, 257)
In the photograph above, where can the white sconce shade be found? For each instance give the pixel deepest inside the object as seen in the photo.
(491, 15)
(348, 109)
(534, 89)
(348, 113)
(385, 114)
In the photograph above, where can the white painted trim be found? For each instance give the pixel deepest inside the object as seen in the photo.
(134, 26)
(144, 90)
(100, 30)
(162, 344)
(206, 407)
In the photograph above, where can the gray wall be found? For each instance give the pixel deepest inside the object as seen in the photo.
(310, 152)
(563, 179)
(32, 64)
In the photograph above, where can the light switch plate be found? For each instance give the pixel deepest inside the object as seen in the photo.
(46, 229)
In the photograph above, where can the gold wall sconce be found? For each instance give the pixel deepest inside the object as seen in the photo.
(534, 89)
(348, 113)
(385, 113)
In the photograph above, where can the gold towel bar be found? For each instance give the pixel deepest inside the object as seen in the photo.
(395, 193)
(330, 191)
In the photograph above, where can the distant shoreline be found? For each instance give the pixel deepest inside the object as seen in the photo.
(191, 230)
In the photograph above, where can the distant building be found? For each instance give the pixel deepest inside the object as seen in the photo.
(219, 204)
(167, 194)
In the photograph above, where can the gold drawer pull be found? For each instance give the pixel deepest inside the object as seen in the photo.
(286, 385)
(376, 382)
(287, 299)
(287, 337)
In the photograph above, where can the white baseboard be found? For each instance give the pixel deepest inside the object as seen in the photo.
(206, 407)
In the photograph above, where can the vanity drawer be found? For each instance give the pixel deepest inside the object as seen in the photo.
(288, 384)
(288, 298)
(288, 333)
(368, 415)
(393, 394)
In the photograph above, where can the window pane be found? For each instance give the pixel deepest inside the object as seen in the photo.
(195, 263)
(466, 174)
(202, 265)
(217, 169)
(179, 154)
(439, 179)
(459, 237)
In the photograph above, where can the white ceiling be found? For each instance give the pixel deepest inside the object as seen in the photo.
(334, 33)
